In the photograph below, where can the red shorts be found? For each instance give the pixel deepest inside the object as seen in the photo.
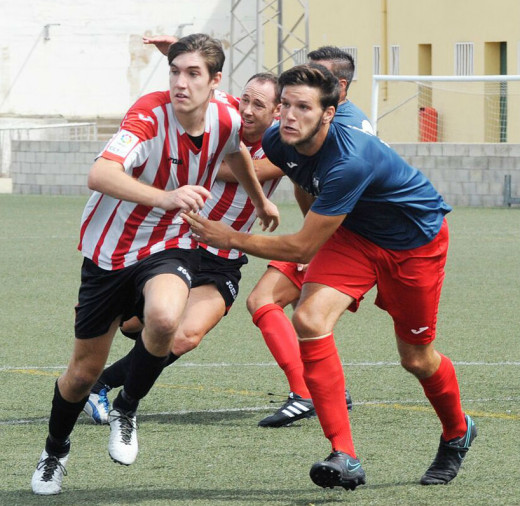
(290, 270)
(408, 282)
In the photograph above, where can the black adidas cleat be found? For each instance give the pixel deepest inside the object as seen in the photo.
(348, 399)
(449, 457)
(338, 470)
(295, 408)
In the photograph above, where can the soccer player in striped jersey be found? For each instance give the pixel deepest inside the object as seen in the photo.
(282, 282)
(376, 222)
(215, 284)
(139, 256)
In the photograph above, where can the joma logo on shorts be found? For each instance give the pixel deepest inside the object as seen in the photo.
(231, 289)
(185, 272)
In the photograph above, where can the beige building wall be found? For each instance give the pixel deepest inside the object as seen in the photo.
(426, 33)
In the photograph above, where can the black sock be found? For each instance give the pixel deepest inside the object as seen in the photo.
(144, 369)
(114, 375)
(64, 415)
(170, 359)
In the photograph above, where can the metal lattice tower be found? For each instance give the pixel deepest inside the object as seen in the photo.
(286, 22)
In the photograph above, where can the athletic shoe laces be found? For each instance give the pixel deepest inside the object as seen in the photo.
(127, 425)
(50, 465)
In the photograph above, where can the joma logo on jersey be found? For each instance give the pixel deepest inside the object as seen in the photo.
(175, 161)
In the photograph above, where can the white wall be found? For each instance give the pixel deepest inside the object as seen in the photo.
(94, 63)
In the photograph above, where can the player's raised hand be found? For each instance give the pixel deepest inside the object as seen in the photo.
(187, 198)
(161, 42)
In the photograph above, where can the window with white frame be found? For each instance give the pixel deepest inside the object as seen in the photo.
(299, 56)
(352, 51)
(394, 60)
(376, 60)
(464, 59)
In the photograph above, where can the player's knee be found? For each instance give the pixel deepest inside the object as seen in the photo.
(160, 324)
(256, 300)
(415, 365)
(186, 343)
(306, 323)
(81, 380)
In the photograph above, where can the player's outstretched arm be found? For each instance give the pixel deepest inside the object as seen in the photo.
(242, 167)
(109, 177)
(161, 42)
(299, 247)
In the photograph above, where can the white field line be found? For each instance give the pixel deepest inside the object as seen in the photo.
(184, 412)
(269, 364)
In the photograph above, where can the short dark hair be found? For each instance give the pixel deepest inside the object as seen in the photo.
(314, 76)
(209, 48)
(267, 77)
(343, 66)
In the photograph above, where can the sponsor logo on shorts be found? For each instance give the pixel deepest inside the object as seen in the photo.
(232, 290)
(122, 143)
(184, 272)
(420, 330)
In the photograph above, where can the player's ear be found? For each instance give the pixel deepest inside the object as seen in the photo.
(215, 80)
(276, 111)
(328, 114)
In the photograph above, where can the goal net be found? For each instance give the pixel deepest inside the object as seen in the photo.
(461, 109)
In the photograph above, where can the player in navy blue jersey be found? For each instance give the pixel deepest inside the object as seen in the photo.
(376, 221)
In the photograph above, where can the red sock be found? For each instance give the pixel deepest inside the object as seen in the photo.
(323, 374)
(280, 337)
(442, 390)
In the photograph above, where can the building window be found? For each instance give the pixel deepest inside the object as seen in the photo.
(376, 60)
(299, 56)
(464, 59)
(394, 62)
(352, 51)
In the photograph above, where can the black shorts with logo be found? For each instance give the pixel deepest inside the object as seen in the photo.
(106, 295)
(224, 273)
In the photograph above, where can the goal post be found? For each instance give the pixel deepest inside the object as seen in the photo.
(460, 109)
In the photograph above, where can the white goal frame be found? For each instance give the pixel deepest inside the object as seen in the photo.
(377, 78)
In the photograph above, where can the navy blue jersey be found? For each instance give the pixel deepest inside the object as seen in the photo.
(386, 200)
(352, 115)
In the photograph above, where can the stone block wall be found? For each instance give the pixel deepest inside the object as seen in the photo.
(465, 174)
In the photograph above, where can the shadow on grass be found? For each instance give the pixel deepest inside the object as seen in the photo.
(99, 497)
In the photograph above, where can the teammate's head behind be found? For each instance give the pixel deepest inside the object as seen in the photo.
(314, 76)
(259, 105)
(338, 61)
(210, 50)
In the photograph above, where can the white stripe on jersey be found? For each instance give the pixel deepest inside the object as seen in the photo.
(231, 204)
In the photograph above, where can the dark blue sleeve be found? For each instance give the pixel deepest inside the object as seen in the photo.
(342, 187)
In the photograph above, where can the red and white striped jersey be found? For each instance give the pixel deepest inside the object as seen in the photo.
(154, 148)
(230, 202)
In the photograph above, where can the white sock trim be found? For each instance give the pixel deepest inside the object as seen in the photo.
(314, 338)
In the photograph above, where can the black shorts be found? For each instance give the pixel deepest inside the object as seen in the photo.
(224, 273)
(105, 295)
